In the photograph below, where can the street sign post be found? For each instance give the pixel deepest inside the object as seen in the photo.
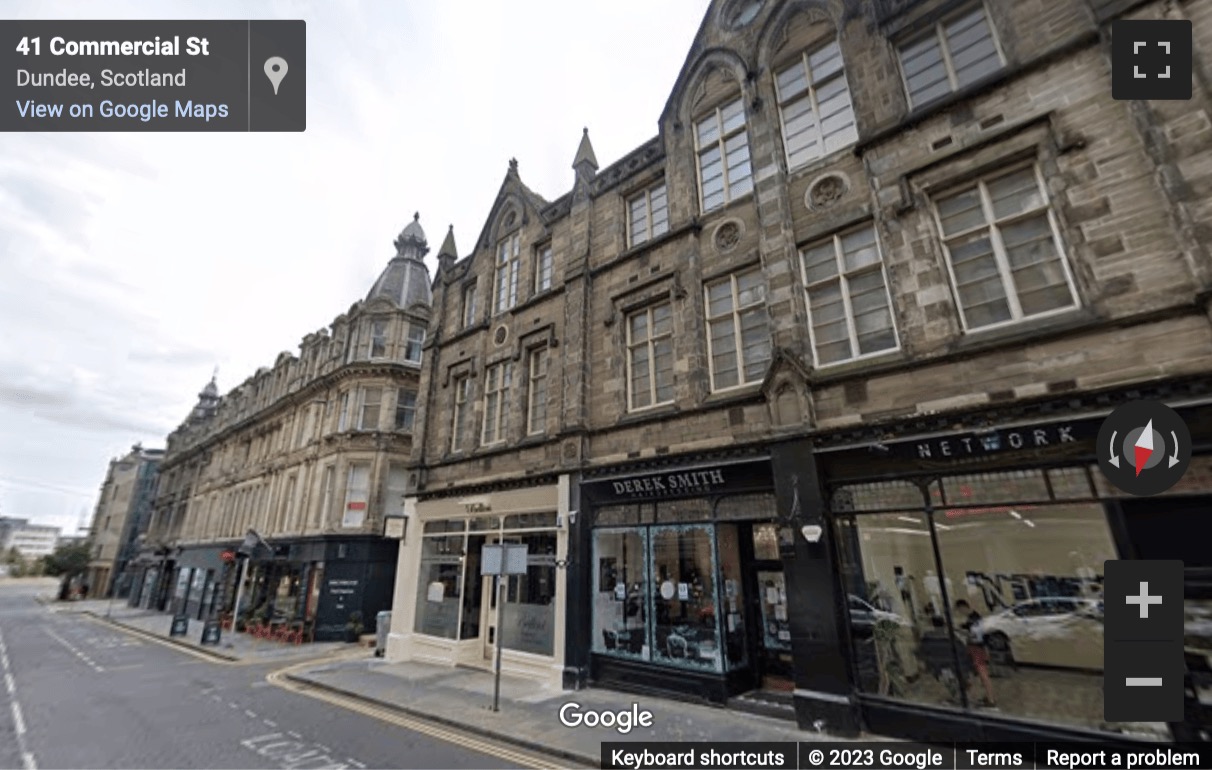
(498, 560)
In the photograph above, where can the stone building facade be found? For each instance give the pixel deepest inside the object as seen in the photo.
(309, 455)
(771, 394)
(122, 515)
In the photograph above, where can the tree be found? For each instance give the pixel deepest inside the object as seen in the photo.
(69, 559)
(15, 562)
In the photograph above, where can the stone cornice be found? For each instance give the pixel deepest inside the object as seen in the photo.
(352, 370)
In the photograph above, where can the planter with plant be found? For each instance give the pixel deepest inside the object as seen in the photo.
(354, 628)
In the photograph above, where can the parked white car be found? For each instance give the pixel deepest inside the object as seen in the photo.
(1050, 631)
(864, 615)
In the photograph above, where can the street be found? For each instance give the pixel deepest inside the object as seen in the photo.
(79, 693)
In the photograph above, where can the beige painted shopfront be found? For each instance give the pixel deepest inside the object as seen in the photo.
(445, 611)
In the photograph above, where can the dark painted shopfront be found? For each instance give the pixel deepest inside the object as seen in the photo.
(1006, 514)
(320, 583)
(152, 580)
(203, 582)
(683, 582)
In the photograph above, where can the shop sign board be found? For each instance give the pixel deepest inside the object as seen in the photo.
(683, 482)
(211, 632)
(180, 626)
(1039, 438)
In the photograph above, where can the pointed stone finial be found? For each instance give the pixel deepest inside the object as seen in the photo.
(513, 165)
(448, 245)
(585, 156)
(215, 375)
(416, 217)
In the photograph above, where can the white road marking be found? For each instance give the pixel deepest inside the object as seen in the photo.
(296, 754)
(27, 757)
(269, 723)
(233, 705)
(18, 720)
(250, 714)
(217, 697)
(72, 648)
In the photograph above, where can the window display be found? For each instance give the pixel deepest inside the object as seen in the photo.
(684, 604)
(656, 596)
(621, 593)
(996, 606)
(440, 586)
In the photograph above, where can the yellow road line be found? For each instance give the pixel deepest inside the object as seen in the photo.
(442, 733)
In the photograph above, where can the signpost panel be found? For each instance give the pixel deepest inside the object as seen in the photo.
(497, 560)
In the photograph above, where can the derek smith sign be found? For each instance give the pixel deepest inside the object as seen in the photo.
(686, 482)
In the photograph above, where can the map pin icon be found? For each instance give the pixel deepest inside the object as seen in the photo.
(275, 70)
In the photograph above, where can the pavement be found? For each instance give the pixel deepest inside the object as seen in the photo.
(461, 698)
(232, 647)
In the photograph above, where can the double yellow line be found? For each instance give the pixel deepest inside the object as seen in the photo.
(516, 756)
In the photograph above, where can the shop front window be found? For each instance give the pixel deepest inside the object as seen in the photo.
(657, 596)
(684, 602)
(620, 592)
(529, 612)
(440, 586)
(1007, 617)
(453, 596)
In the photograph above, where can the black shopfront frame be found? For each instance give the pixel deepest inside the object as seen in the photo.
(920, 457)
(706, 479)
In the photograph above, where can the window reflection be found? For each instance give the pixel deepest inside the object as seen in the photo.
(620, 593)
(528, 617)
(1010, 616)
(684, 600)
(440, 586)
(732, 601)
(656, 594)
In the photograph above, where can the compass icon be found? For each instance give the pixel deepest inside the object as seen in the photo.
(1144, 447)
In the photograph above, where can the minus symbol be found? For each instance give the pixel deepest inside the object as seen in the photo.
(1144, 681)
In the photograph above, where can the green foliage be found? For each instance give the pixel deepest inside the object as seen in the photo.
(17, 565)
(70, 559)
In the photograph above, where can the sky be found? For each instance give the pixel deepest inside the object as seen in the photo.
(132, 265)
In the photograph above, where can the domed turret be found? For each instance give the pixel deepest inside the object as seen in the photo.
(405, 281)
(208, 401)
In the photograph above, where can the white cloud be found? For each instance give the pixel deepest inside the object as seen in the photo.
(131, 264)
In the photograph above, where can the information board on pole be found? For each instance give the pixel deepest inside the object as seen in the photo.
(504, 559)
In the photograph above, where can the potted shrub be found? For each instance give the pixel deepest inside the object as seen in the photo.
(354, 628)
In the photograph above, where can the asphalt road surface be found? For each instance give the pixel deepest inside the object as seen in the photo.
(78, 693)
